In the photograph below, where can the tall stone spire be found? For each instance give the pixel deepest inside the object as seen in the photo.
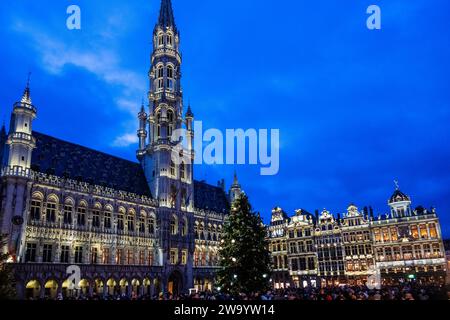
(166, 17)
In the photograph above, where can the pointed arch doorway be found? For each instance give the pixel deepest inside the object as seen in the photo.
(175, 283)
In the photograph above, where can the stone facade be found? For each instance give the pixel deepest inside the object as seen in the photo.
(130, 227)
(323, 250)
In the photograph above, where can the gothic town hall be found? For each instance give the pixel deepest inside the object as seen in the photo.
(131, 227)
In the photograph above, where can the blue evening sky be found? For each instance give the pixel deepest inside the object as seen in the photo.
(356, 108)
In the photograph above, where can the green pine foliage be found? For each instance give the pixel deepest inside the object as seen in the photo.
(245, 259)
(7, 282)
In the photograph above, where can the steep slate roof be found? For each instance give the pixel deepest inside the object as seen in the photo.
(65, 159)
(208, 197)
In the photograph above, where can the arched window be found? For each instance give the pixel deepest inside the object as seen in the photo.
(151, 225)
(96, 218)
(130, 223)
(184, 227)
(170, 118)
(67, 212)
(120, 222)
(81, 214)
(158, 125)
(107, 218)
(169, 40)
(159, 78)
(160, 39)
(142, 223)
(182, 171)
(170, 78)
(172, 168)
(35, 210)
(51, 210)
(174, 225)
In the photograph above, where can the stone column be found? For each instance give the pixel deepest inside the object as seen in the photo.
(129, 289)
(42, 290)
(59, 289)
(91, 288)
(152, 288)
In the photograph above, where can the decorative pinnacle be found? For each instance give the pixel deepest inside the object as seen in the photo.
(26, 97)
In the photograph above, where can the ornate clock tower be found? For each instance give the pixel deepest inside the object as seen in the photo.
(165, 157)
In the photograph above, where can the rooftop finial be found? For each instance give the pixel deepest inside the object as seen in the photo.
(28, 80)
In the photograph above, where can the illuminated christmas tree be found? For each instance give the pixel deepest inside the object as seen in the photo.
(245, 259)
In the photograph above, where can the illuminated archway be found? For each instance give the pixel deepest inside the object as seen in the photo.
(51, 289)
(32, 289)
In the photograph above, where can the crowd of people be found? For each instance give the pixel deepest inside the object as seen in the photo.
(339, 293)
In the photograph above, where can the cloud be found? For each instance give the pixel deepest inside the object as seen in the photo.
(98, 58)
(125, 140)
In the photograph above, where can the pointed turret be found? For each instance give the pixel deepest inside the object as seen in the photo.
(142, 132)
(189, 113)
(166, 17)
(235, 190)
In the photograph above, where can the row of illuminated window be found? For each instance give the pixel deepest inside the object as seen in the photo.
(409, 252)
(277, 246)
(177, 258)
(301, 247)
(101, 220)
(416, 231)
(164, 39)
(331, 266)
(358, 250)
(356, 236)
(329, 239)
(210, 232)
(170, 117)
(302, 264)
(179, 226)
(182, 172)
(82, 255)
(299, 233)
(329, 253)
(359, 265)
(167, 73)
(280, 262)
(206, 258)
